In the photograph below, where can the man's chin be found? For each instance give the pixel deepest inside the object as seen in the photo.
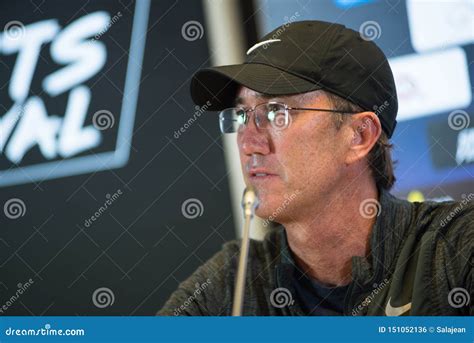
(269, 204)
(266, 213)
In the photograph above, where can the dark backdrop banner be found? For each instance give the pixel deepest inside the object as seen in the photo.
(113, 187)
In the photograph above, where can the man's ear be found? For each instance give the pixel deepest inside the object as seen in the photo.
(366, 129)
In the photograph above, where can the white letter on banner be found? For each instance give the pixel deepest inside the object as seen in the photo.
(86, 58)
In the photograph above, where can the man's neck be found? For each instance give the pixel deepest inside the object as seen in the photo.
(324, 242)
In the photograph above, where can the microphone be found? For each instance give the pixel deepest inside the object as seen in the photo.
(249, 202)
(249, 205)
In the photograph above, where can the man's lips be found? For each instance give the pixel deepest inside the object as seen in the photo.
(260, 174)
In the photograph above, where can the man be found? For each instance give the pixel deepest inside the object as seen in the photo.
(313, 107)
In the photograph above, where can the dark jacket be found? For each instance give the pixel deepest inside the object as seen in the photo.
(421, 263)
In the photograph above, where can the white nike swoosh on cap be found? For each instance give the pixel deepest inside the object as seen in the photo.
(396, 311)
(262, 43)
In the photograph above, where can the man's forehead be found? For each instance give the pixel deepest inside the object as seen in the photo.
(245, 94)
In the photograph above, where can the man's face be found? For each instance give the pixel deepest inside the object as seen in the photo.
(294, 168)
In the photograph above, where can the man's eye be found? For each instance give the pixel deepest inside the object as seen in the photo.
(273, 111)
(241, 118)
(271, 115)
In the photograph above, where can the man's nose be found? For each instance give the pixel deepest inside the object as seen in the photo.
(253, 140)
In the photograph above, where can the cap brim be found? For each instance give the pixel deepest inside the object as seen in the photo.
(216, 87)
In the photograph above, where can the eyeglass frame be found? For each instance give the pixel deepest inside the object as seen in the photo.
(286, 107)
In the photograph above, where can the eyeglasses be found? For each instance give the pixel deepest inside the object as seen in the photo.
(268, 116)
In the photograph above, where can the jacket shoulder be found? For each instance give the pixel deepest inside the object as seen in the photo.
(209, 290)
(448, 219)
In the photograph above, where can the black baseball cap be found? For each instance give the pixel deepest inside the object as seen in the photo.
(303, 56)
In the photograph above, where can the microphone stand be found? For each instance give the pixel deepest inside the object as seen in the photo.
(249, 204)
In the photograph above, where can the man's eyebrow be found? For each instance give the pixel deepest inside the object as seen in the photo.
(240, 101)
